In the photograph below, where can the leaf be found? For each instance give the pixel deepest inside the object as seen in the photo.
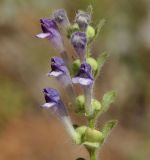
(108, 127)
(101, 60)
(90, 9)
(108, 98)
(99, 27)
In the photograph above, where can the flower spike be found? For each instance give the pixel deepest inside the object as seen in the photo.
(79, 42)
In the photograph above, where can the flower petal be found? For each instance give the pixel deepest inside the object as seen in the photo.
(55, 73)
(82, 81)
(43, 35)
(48, 105)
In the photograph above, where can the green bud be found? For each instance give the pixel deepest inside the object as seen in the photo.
(75, 66)
(96, 105)
(93, 135)
(75, 27)
(71, 29)
(76, 138)
(93, 63)
(90, 32)
(81, 130)
(80, 101)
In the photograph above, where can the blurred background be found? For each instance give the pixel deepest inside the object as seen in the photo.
(26, 132)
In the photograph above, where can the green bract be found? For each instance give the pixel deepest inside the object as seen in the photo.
(93, 135)
(91, 61)
(80, 101)
(90, 32)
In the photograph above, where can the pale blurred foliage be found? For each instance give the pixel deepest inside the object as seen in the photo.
(28, 133)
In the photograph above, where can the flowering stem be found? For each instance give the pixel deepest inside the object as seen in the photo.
(66, 58)
(88, 91)
(68, 125)
(91, 122)
(92, 154)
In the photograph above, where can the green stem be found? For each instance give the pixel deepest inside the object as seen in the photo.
(92, 155)
(91, 122)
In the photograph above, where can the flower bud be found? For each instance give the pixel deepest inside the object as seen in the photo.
(93, 63)
(79, 42)
(81, 130)
(80, 102)
(83, 19)
(93, 135)
(75, 67)
(90, 33)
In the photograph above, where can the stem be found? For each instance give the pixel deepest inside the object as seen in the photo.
(92, 154)
(91, 122)
(88, 92)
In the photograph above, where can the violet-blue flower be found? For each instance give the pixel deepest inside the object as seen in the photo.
(79, 42)
(54, 102)
(51, 31)
(83, 19)
(85, 79)
(61, 17)
(61, 73)
(84, 76)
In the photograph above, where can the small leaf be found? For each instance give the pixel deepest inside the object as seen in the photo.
(100, 61)
(99, 27)
(108, 98)
(90, 9)
(108, 127)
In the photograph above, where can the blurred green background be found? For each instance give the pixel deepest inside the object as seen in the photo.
(27, 133)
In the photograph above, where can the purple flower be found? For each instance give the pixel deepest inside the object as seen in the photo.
(61, 73)
(79, 42)
(54, 102)
(84, 76)
(50, 31)
(83, 19)
(85, 79)
(58, 67)
(61, 17)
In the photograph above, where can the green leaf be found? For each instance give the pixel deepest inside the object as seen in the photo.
(100, 61)
(108, 127)
(90, 9)
(99, 27)
(108, 98)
